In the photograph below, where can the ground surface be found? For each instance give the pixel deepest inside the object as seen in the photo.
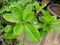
(50, 39)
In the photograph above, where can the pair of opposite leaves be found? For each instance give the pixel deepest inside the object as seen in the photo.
(21, 18)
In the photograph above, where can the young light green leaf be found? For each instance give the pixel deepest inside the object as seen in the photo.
(45, 13)
(37, 5)
(18, 11)
(11, 17)
(52, 19)
(28, 9)
(13, 4)
(43, 5)
(28, 13)
(18, 29)
(47, 18)
(7, 8)
(29, 17)
(42, 19)
(31, 33)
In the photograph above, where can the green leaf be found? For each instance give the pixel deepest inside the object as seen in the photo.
(43, 33)
(56, 27)
(18, 29)
(1, 29)
(55, 24)
(13, 4)
(11, 17)
(31, 33)
(45, 13)
(1, 26)
(57, 21)
(7, 28)
(57, 30)
(10, 35)
(28, 9)
(47, 18)
(43, 5)
(42, 19)
(28, 14)
(8, 8)
(9, 32)
(52, 19)
(37, 5)
(5, 1)
(19, 43)
(29, 17)
(0, 1)
(23, 2)
(18, 11)
(48, 29)
(34, 21)
(2, 9)
(45, 28)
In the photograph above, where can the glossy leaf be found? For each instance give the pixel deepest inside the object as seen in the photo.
(31, 33)
(29, 17)
(18, 29)
(11, 17)
(28, 14)
(18, 11)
